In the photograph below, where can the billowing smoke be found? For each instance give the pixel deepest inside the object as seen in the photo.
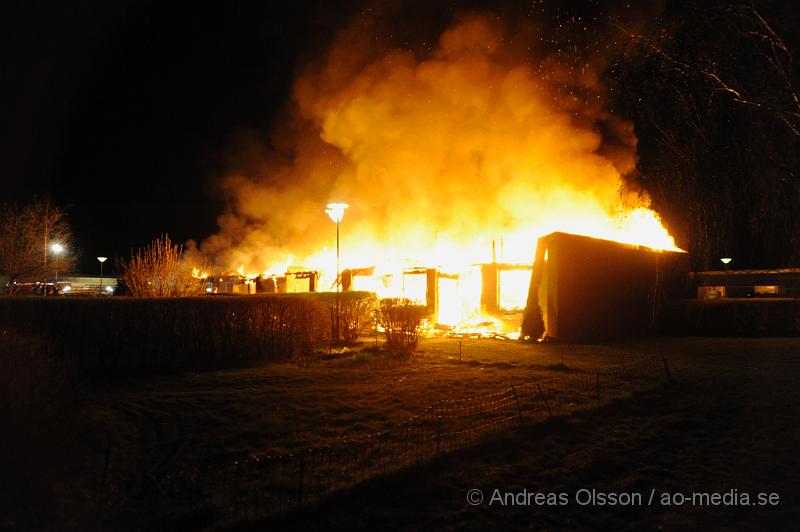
(480, 136)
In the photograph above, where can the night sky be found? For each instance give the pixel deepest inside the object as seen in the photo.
(124, 113)
(127, 114)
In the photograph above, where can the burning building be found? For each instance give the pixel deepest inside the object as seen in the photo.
(577, 289)
(585, 289)
(481, 136)
(492, 294)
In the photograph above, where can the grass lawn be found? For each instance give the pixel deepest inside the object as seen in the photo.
(728, 423)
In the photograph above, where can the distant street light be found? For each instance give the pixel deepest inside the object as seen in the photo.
(336, 212)
(726, 261)
(102, 260)
(57, 249)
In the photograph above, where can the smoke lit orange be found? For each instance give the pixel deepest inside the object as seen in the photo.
(438, 157)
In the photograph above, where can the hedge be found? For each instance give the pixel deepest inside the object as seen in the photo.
(120, 332)
(737, 317)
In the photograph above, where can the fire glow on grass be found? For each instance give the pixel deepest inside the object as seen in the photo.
(439, 153)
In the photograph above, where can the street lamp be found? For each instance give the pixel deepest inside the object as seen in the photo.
(336, 212)
(57, 249)
(102, 260)
(726, 261)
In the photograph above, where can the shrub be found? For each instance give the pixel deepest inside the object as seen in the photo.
(401, 320)
(736, 317)
(161, 270)
(356, 314)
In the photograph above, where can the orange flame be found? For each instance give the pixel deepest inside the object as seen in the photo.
(481, 141)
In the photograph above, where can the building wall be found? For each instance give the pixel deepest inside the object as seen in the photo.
(591, 289)
(747, 283)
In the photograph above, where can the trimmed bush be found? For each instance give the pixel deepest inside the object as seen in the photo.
(737, 317)
(178, 333)
(182, 333)
(401, 320)
(357, 314)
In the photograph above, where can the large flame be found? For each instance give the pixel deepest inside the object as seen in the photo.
(461, 157)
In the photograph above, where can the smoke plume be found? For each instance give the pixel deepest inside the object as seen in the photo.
(484, 134)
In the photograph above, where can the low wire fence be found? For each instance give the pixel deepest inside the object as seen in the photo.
(263, 485)
(485, 348)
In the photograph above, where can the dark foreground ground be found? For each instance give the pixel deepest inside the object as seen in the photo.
(728, 426)
(730, 423)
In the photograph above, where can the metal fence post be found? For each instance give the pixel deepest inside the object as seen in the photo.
(627, 375)
(546, 403)
(667, 372)
(516, 400)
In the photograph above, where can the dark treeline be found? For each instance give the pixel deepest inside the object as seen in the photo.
(713, 93)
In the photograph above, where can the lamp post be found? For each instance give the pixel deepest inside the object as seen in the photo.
(336, 212)
(56, 248)
(726, 261)
(102, 260)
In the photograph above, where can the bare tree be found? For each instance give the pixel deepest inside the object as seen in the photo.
(713, 91)
(743, 20)
(26, 237)
(53, 229)
(19, 250)
(161, 270)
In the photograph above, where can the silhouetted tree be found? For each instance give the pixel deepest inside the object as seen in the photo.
(26, 238)
(714, 96)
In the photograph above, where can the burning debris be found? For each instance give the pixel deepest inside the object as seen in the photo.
(483, 300)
